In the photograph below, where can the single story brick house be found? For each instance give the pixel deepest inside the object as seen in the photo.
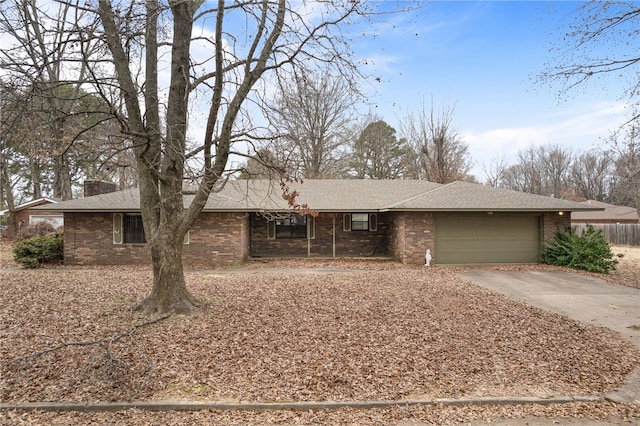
(459, 222)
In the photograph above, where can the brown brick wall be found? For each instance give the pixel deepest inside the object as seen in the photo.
(24, 215)
(347, 243)
(396, 236)
(97, 187)
(553, 223)
(214, 240)
(412, 233)
(218, 239)
(88, 240)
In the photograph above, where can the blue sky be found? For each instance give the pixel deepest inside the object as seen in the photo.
(483, 58)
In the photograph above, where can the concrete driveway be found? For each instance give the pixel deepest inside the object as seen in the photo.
(582, 298)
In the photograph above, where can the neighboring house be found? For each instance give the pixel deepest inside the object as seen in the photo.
(27, 215)
(459, 222)
(610, 214)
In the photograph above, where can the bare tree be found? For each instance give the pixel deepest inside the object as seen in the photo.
(494, 171)
(244, 42)
(444, 156)
(8, 161)
(542, 170)
(525, 175)
(312, 111)
(591, 175)
(554, 163)
(626, 149)
(378, 154)
(597, 43)
(42, 58)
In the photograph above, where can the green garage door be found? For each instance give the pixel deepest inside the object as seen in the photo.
(487, 239)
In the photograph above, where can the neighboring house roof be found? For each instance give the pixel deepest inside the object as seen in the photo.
(32, 204)
(345, 195)
(611, 213)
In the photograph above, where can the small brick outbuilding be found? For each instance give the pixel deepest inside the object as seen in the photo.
(460, 223)
(26, 214)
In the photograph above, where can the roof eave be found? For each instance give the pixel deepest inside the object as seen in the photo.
(489, 209)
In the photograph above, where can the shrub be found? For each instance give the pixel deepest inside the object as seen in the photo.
(588, 251)
(38, 229)
(31, 252)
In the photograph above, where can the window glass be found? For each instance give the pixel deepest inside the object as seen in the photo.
(133, 230)
(359, 221)
(294, 226)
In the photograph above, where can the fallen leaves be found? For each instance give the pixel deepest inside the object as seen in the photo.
(328, 331)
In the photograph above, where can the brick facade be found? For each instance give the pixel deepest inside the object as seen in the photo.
(25, 217)
(330, 239)
(29, 216)
(554, 223)
(216, 239)
(97, 187)
(222, 239)
(412, 233)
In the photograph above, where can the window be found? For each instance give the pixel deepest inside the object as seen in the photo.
(127, 228)
(360, 222)
(295, 226)
(133, 229)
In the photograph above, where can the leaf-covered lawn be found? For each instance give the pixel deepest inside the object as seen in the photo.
(294, 335)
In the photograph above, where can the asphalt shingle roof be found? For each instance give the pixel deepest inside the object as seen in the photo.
(610, 212)
(344, 195)
(471, 196)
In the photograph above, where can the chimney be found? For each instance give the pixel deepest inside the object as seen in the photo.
(97, 187)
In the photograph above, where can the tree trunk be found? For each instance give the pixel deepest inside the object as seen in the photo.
(12, 220)
(35, 178)
(169, 293)
(61, 179)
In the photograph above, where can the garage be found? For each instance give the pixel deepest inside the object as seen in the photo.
(487, 238)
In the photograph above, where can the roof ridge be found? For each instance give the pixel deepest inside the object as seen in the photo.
(422, 194)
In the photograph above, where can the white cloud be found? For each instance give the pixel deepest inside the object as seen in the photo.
(580, 129)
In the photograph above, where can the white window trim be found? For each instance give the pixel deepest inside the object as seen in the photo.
(118, 231)
(311, 228)
(346, 222)
(372, 223)
(271, 229)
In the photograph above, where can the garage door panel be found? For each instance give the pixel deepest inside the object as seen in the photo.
(487, 239)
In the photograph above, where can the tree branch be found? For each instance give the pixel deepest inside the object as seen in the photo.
(107, 340)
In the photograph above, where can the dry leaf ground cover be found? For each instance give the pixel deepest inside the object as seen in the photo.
(296, 331)
(628, 270)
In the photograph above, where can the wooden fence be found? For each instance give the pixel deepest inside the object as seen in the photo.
(620, 234)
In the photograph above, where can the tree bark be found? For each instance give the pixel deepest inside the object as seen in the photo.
(169, 292)
(12, 220)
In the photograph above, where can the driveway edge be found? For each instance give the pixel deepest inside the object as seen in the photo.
(273, 406)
